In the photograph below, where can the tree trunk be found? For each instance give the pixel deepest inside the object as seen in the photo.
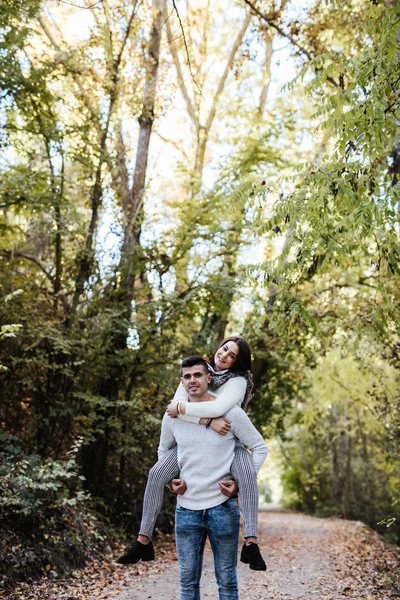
(202, 131)
(95, 456)
(86, 261)
(214, 326)
(347, 487)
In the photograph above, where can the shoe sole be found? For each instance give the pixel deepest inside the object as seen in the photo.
(253, 568)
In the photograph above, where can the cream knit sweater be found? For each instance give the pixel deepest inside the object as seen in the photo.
(205, 457)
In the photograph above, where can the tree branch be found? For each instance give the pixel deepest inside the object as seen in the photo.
(185, 92)
(11, 254)
(119, 171)
(186, 46)
(174, 144)
(282, 33)
(86, 260)
(225, 74)
(74, 74)
(285, 35)
(269, 39)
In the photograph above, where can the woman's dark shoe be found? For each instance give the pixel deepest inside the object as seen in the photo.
(250, 555)
(136, 552)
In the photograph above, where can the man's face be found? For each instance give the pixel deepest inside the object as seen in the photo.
(195, 380)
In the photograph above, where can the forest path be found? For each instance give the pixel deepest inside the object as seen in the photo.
(308, 559)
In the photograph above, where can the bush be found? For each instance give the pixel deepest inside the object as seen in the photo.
(29, 482)
(45, 526)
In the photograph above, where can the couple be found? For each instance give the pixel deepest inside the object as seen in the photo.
(204, 459)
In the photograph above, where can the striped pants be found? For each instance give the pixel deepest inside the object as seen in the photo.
(167, 468)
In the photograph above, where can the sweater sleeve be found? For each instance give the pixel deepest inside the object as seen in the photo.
(231, 393)
(188, 418)
(245, 431)
(181, 396)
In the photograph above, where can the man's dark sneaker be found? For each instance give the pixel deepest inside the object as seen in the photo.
(250, 555)
(136, 552)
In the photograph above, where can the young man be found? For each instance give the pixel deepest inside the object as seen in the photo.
(202, 510)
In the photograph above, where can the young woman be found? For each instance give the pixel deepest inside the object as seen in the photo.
(231, 380)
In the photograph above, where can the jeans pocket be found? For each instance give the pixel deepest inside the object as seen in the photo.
(230, 504)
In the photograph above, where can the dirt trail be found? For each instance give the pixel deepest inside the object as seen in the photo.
(308, 559)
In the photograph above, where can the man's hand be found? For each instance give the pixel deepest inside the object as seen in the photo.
(229, 488)
(178, 486)
(172, 409)
(221, 425)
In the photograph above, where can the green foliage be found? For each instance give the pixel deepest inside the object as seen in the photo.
(9, 331)
(346, 201)
(306, 188)
(332, 290)
(341, 441)
(28, 483)
(44, 523)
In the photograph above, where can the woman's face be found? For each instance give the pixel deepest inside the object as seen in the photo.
(226, 356)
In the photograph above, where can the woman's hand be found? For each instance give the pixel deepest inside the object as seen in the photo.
(178, 486)
(229, 488)
(221, 425)
(172, 409)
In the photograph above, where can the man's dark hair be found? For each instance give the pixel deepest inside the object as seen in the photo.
(192, 361)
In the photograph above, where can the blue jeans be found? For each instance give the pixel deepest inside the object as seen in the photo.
(221, 524)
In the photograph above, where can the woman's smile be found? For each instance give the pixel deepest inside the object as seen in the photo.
(226, 356)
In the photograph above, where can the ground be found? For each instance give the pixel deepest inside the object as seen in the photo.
(308, 559)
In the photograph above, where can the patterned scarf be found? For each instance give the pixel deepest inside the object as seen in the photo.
(218, 378)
